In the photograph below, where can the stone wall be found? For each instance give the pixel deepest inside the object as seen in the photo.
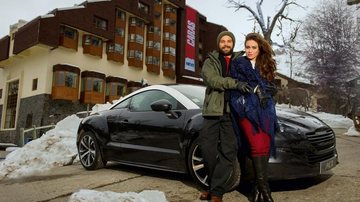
(40, 110)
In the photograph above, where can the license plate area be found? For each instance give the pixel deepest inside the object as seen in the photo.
(327, 165)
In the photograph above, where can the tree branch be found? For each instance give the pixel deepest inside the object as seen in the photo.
(239, 5)
(277, 15)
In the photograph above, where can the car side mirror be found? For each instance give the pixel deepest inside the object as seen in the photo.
(164, 105)
(161, 105)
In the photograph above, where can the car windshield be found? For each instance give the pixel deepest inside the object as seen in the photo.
(194, 93)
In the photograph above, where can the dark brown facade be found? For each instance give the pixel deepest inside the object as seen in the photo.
(207, 33)
(81, 18)
(4, 48)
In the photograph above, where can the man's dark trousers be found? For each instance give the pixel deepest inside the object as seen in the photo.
(218, 145)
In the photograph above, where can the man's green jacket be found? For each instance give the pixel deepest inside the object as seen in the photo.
(216, 85)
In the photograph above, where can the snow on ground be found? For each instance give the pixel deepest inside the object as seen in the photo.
(57, 148)
(86, 195)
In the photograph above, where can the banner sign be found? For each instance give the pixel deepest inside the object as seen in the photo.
(190, 39)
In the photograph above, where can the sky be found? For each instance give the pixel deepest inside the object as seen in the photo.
(216, 11)
(57, 147)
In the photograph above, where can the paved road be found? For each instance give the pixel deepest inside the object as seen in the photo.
(341, 184)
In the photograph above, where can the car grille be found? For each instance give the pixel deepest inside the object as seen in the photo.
(323, 142)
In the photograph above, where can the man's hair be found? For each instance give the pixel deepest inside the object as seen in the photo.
(225, 33)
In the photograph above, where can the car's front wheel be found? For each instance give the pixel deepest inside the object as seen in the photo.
(89, 151)
(199, 173)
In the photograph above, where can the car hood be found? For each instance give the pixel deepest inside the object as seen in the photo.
(302, 119)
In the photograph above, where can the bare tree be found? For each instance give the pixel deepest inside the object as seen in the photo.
(331, 39)
(267, 26)
(290, 42)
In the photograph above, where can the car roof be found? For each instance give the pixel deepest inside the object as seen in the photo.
(186, 102)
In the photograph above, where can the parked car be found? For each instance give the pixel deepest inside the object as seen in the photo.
(158, 126)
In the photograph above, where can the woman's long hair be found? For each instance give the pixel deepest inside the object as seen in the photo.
(264, 61)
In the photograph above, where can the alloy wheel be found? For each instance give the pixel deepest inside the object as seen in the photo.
(198, 166)
(87, 151)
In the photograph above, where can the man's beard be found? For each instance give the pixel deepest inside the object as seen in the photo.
(226, 53)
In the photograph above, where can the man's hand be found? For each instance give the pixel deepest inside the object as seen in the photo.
(243, 87)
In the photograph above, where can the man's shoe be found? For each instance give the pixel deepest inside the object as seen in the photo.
(205, 195)
(216, 199)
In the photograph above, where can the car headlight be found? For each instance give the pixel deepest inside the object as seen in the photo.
(289, 135)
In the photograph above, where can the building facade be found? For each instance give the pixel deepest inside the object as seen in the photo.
(72, 58)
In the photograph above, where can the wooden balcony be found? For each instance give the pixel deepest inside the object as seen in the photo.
(64, 93)
(168, 72)
(68, 42)
(91, 97)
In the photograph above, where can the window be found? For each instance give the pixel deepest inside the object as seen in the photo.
(68, 32)
(120, 31)
(153, 44)
(169, 50)
(155, 30)
(123, 104)
(116, 48)
(100, 23)
(169, 22)
(115, 89)
(170, 65)
(143, 7)
(135, 54)
(152, 60)
(63, 78)
(172, 37)
(169, 36)
(92, 84)
(34, 84)
(92, 40)
(1, 90)
(11, 104)
(136, 22)
(143, 101)
(29, 121)
(120, 14)
(136, 38)
(170, 9)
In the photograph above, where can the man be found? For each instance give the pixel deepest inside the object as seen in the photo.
(218, 142)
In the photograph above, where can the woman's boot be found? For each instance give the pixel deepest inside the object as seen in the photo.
(255, 194)
(260, 167)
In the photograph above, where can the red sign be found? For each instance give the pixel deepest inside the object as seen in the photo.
(190, 39)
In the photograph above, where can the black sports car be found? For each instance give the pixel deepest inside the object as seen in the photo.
(158, 126)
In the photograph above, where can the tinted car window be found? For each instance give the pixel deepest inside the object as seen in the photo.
(142, 101)
(194, 93)
(123, 104)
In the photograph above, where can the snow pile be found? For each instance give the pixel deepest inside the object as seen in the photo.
(55, 148)
(100, 107)
(352, 132)
(86, 195)
(334, 120)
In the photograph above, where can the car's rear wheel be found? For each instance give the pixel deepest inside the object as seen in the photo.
(199, 173)
(89, 152)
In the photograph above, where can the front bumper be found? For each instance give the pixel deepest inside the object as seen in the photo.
(288, 165)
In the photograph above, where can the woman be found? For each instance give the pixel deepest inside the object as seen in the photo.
(255, 111)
